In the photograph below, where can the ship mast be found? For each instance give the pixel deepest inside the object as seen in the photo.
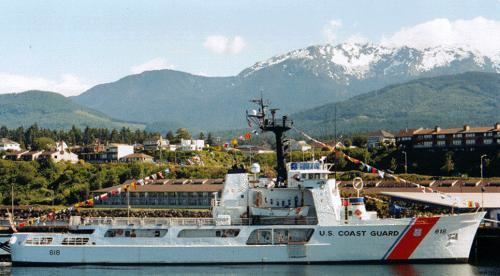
(265, 119)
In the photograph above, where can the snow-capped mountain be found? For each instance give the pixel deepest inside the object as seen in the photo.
(349, 62)
(295, 81)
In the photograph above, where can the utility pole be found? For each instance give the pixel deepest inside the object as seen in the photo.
(406, 162)
(12, 198)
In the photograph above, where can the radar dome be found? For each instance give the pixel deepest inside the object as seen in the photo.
(255, 168)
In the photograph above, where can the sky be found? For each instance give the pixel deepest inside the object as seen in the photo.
(70, 46)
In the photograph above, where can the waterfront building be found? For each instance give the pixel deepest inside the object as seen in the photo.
(465, 138)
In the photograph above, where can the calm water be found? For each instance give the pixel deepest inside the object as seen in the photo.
(261, 270)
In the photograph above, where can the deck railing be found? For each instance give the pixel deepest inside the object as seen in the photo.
(123, 221)
(162, 222)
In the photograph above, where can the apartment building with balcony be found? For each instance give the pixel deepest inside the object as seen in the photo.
(464, 138)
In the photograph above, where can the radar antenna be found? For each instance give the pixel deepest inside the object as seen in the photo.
(265, 119)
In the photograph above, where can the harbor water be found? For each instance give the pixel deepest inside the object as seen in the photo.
(487, 268)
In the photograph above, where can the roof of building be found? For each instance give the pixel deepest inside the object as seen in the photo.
(456, 130)
(490, 200)
(118, 144)
(7, 141)
(407, 132)
(137, 155)
(174, 185)
(49, 152)
(33, 152)
(15, 153)
(382, 133)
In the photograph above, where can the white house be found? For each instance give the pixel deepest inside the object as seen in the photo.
(137, 157)
(7, 144)
(156, 144)
(379, 138)
(60, 153)
(116, 151)
(191, 145)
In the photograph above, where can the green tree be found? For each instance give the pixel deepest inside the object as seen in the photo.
(210, 139)
(182, 133)
(43, 143)
(201, 136)
(170, 136)
(359, 141)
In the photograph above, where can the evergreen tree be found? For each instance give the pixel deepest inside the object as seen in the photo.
(182, 133)
(210, 139)
(170, 136)
(201, 136)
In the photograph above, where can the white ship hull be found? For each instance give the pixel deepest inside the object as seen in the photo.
(445, 238)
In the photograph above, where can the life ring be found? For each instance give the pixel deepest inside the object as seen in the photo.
(297, 210)
(358, 212)
(50, 216)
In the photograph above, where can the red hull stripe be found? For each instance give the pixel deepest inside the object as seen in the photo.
(398, 239)
(413, 237)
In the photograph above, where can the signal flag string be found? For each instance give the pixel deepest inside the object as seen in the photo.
(371, 169)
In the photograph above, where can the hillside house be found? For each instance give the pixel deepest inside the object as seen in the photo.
(31, 155)
(15, 155)
(191, 145)
(380, 138)
(137, 157)
(9, 145)
(110, 153)
(156, 144)
(59, 153)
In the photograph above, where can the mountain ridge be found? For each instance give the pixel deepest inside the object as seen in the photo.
(52, 110)
(447, 101)
(297, 80)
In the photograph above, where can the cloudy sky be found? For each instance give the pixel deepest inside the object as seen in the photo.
(69, 46)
